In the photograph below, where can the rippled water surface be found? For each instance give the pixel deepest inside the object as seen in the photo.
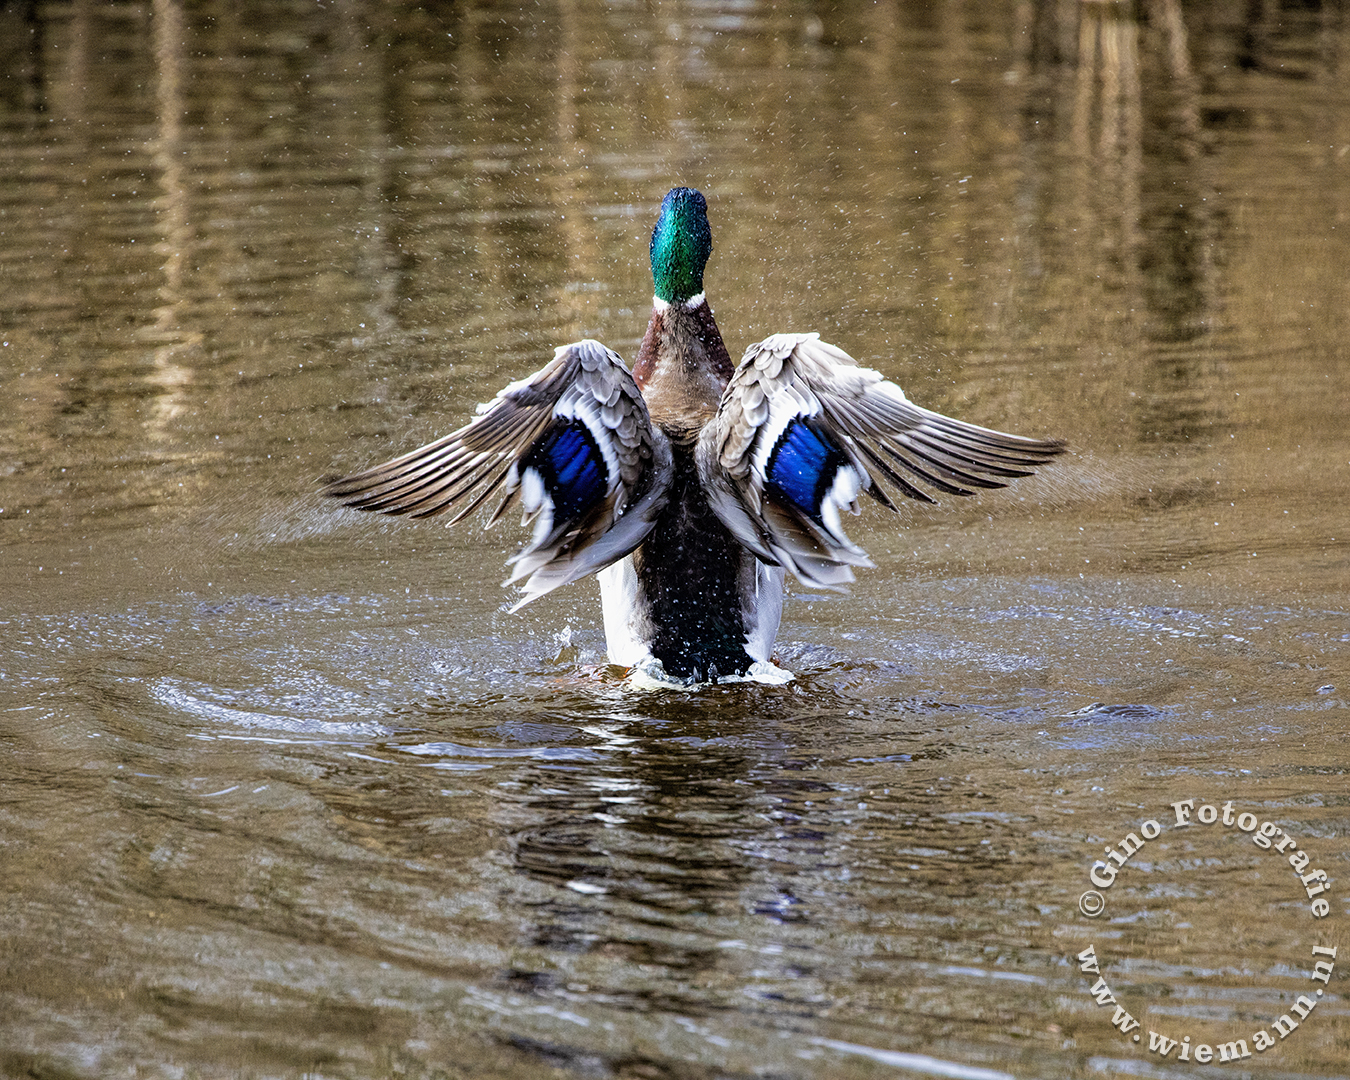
(285, 790)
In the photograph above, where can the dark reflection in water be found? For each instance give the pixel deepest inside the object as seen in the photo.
(285, 792)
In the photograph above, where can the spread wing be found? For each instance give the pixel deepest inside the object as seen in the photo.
(802, 429)
(572, 444)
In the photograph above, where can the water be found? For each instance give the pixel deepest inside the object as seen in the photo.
(287, 791)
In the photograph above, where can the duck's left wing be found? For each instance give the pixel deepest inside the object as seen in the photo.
(802, 429)
(573, 444)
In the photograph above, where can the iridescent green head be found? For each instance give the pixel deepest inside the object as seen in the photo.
(681, 244)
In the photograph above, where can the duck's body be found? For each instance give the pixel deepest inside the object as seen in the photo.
(692, 485)
(671, 600)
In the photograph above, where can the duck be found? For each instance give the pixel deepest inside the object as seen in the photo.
(691, 485)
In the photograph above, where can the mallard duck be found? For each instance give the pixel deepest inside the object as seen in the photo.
(693, 485)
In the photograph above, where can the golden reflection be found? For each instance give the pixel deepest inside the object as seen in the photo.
(168, 152)
(1107, 98)
(584, 269)
(1141, 188)
(359, 42)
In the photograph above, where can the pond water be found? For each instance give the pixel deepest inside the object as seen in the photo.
(287, 791)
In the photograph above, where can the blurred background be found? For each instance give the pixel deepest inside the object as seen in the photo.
(286, 791)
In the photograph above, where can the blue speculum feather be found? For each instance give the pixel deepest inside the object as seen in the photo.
(572, 468)
(802, 467)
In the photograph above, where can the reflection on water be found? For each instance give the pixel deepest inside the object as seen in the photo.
(287, 792)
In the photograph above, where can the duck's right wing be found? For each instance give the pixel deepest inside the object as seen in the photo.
(573, 444)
